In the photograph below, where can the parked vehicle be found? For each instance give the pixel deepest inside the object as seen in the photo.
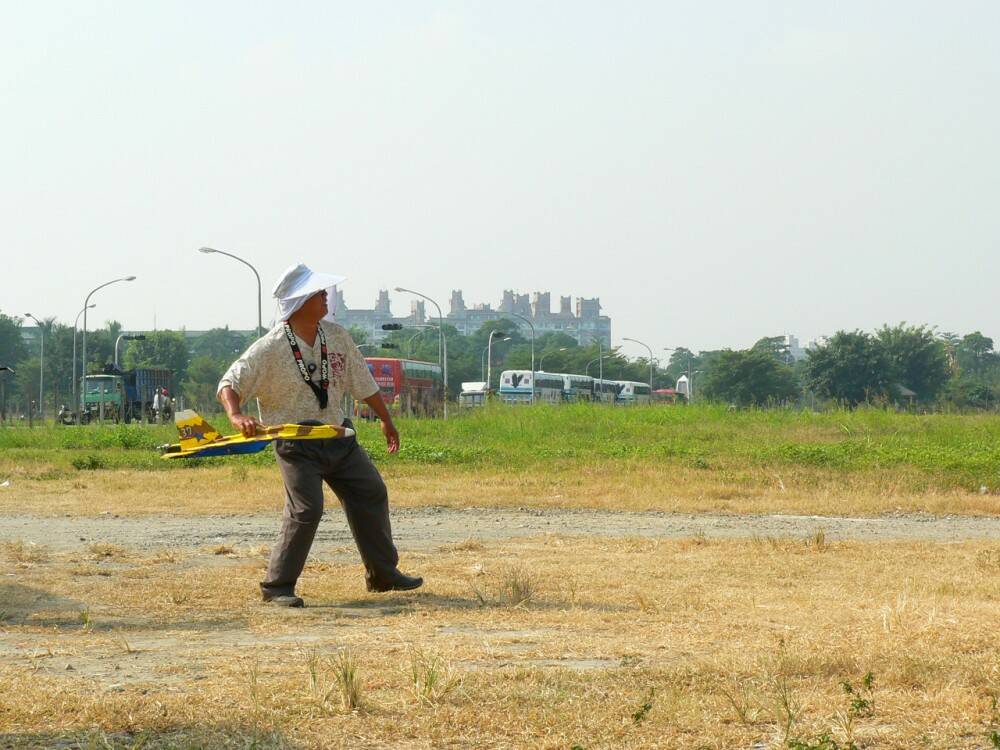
(409, 387)
(473, 394)
(632, 393)
(578, 387)
(102, 397)
(143, 394)
(516, 387)
(606, 391)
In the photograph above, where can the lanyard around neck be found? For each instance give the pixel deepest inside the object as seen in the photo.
(324, 364)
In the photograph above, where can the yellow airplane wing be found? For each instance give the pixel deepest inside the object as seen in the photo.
(198, 439)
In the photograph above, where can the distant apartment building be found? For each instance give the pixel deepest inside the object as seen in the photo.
(585, 323)
(795, 351)
(371, 320)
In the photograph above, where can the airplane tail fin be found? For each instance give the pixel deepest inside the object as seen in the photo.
(194, 430)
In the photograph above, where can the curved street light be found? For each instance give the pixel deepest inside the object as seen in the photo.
(211, 250)
(41, 365)
(127, 337)
(442, 344)
(595, 359)
(532, 326)
(86, 305)
(409, 341)
(650, 349)
(489, 358)
(76, 324)
(541, 359)
(482, 360)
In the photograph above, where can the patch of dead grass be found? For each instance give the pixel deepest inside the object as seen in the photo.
(24, 553)
(638, 485)
(107, 551)
(723, 643)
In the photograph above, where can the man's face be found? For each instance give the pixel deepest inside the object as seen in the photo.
(315, 306)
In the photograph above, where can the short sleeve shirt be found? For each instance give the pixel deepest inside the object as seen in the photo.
(267, 371)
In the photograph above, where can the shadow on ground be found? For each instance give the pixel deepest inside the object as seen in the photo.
(18, 603)
(36, 607)
(385, 606)
(177, 738)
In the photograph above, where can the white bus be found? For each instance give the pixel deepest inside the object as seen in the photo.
(606, 391)
(633, 393)
(577, 387)
(516, 387)
(473, 394)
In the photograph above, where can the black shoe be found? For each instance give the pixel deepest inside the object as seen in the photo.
(396, 582)
(284, 600)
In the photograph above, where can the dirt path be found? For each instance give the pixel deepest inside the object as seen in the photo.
(431, 527)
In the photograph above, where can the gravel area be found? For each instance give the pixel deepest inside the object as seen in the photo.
(432, 527)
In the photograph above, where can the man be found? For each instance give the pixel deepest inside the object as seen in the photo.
(299, 372)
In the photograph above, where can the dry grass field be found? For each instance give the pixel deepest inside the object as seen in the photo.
(550, 642)
(555, 640)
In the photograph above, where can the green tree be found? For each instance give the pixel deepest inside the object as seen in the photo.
(970, 392)
(918, 359)
(358, 335)
(975, 353)
(161, 349)
(851, 367)
(12, 346)
(199, 387)
(749, 377)
(220, 343)
(777, 347)
(100, 346)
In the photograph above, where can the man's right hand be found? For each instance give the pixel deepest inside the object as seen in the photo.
(245, 424)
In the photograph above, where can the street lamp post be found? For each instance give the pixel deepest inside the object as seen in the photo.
(696, 372)
(489, 359)
(76, 403)
(210, 250)
(41, 365)
(409, 341)
(127, 337)
(532, 326)
(586, 370)
(442, 343)
(482, 360)
(86, 304)
(650, 349)
(541, 360)
(600, 359)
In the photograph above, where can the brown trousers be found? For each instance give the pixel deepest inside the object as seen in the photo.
(346, 466)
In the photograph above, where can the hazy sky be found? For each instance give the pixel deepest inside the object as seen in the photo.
(713, 172)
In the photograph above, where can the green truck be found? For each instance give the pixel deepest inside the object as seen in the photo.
(103, 398)
(125, 396)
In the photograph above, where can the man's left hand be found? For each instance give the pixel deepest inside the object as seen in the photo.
(391, 436)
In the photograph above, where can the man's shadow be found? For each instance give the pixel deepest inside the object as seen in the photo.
(386, 605)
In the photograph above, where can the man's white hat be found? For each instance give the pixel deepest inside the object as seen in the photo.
(298, 283)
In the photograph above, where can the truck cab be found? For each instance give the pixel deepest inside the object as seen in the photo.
(103, 397)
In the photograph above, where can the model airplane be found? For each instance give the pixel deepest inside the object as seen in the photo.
(200, 440)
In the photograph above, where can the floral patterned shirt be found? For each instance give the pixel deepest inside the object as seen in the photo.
(267, 371)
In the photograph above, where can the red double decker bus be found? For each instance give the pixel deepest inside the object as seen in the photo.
(408, 386)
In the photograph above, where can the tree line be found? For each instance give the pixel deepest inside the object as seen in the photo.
(902, 365)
